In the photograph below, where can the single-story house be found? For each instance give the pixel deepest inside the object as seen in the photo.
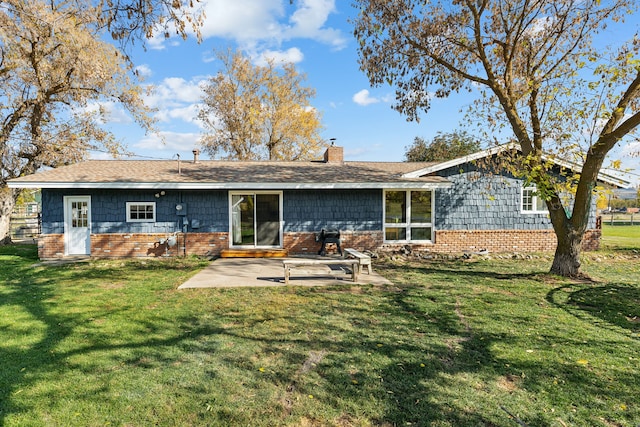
(131, 208)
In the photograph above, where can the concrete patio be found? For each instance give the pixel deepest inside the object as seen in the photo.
(260, 272)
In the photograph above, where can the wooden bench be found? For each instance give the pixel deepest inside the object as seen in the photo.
(363, 259)
(290, 263)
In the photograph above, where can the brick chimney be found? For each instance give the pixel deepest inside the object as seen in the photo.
(334, 154)
(196, 156)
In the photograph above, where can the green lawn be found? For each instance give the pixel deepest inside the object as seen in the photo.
(621, 236)
(453, 343)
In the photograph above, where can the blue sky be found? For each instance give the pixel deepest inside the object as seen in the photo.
(317, 37)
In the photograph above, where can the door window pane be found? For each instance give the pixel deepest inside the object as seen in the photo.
(79, 214)
(242, 221)
(268, 219)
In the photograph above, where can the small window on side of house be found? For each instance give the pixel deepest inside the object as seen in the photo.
(531, 202)
(141, 211)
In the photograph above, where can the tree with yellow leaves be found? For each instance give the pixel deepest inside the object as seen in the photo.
(545, 71)
(256, 112)
(57, 77)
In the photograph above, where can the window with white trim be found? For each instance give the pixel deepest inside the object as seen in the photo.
(408, 215)
(141, 211)
(531, 202)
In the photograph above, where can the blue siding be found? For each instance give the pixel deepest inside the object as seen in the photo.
(476, 201)
(479, 201)
(303, 210)
(53, 210)
(345, 210)
(108, 210)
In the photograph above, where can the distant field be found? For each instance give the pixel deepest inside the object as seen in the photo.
(620, 236)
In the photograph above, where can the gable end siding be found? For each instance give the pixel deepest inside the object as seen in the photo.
(480, 201)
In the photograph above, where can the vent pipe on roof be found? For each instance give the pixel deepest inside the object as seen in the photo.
(179, 166)
(196, 156)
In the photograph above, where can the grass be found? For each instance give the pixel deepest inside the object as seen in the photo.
(479, 342)
(621, 237)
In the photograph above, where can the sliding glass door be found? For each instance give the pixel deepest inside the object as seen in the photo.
(256, 219)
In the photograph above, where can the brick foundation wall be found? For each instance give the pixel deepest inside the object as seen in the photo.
(591, 240)
(456, 241)
(131, 245)
(305, 243)
(51, 246)
(207, 244)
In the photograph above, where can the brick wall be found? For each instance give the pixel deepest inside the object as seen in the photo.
(457, 241)
(305, 243)
(51, 246)
(131, 245)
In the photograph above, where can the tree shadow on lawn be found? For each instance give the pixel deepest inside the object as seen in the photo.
(392, 364)
(616, 305)
(29, 292)
(389, 364)
(458, 269)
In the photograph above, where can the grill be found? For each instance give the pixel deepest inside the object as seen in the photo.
(328, 236)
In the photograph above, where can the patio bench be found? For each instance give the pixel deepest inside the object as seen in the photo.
(292, 263)
(363, 259)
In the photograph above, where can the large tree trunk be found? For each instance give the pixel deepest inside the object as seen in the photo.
(566, 261)
(7, 202)
(569, 232)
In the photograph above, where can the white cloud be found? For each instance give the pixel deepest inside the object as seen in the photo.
(144, 70)
(166, 141)
(188, 114)
(252, 23)
(108, 112)
(177, 90)
(292, 55)
(176, 98)
(363, 98)
(631, 149)
(309, 19)
(241, 20)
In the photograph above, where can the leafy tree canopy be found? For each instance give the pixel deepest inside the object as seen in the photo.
(254, 112)
(58, 81)
(546, 73)
(443, 147)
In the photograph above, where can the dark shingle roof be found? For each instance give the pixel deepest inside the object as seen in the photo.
(229, 174)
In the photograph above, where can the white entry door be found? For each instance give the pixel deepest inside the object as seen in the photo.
(77, 225)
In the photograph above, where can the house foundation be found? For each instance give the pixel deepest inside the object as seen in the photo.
(151, 245)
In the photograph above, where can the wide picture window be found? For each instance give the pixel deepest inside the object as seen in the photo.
(408, 215)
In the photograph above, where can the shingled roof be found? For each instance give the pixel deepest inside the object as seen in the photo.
(213, 174)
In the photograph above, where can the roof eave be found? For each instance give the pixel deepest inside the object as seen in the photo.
(602, 177)
(459, 161)
(230, 186)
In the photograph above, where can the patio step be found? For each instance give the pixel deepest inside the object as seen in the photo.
(254, 253)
